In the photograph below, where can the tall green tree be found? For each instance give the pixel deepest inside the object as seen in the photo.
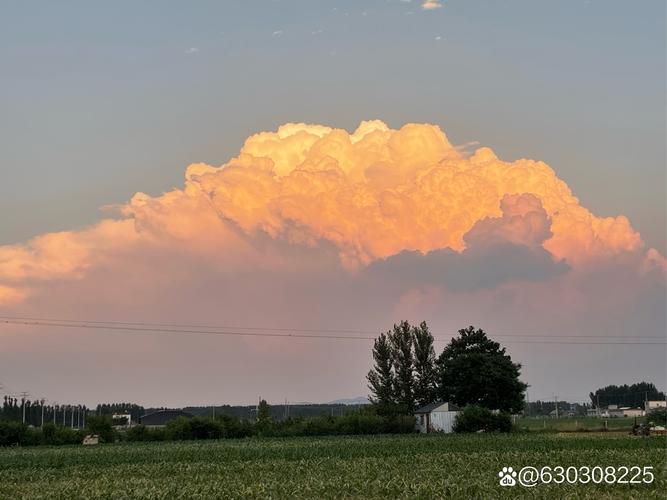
(263, 411)
(400, 339)
(381, 377)
(424, 365)
(474, 370)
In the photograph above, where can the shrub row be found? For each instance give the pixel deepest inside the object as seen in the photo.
(227, 427)
(361, 422)
(16, 433)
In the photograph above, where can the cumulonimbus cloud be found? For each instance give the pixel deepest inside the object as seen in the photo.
(371, 194)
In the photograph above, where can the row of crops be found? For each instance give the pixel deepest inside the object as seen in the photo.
(405, 466)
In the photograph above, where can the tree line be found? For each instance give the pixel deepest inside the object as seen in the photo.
(471, 370)
(633, 395)
(37, 412)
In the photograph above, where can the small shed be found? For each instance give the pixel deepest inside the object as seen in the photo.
(91, 439)
(162, 417)
(436, 417)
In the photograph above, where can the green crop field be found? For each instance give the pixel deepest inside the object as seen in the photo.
(407, 466)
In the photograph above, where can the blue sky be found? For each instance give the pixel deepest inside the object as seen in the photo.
(102, 100)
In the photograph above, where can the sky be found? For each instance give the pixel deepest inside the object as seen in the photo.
(328, 165)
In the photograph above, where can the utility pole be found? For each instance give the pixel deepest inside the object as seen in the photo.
(556, 399)
(64, 413)
(24, 395)
(42, 424)
(55, 405)
(598, 404)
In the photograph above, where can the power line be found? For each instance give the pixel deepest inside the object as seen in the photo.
(172, 327)
(150, 330)
(180, 325)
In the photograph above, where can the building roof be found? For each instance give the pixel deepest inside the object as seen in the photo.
(435, 405)
(162, 417)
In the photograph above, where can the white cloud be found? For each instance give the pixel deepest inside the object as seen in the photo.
(278, 32)
(192, 50)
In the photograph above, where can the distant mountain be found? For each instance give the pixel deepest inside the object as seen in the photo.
(359, 400)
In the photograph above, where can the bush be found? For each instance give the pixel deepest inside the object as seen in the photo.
(357, 423)
(475, 418)
(205, 428)
(101, 426)
(234, 428)
(56, 434)
(193, 428)
(12, 433)
(402, 424)
(657, 416)
(143, 433)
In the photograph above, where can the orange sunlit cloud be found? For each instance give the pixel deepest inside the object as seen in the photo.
(370, 195)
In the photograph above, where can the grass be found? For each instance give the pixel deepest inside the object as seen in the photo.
(407, 466)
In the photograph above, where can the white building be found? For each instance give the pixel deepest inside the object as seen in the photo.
(652, 405)
(121, 420)
(436, 417)
(632, 412)
(612, 411)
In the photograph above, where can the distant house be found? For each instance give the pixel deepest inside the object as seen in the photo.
(632, 412)
(612, 411)
(121, 420)
(436, 417)
(592, 412)
(162, 417)
(652, 405)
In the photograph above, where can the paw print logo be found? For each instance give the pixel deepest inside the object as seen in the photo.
(507, 477)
